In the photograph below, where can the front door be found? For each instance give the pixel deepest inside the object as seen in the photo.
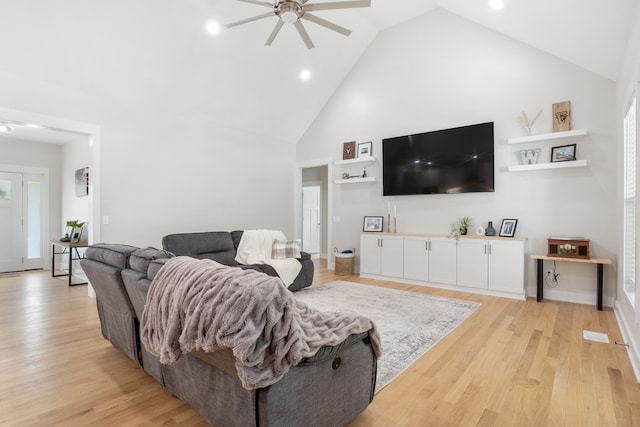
(10, 222)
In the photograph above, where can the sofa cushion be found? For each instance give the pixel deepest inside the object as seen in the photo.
(155, 266)
(215, 245)
(283, 250)
(113, 255)
(141, 258)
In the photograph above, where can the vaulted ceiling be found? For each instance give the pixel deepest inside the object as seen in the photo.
(157, 54)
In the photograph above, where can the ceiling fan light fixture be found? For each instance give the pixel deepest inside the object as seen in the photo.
(289, 11)
(6, 128)
(289, 17)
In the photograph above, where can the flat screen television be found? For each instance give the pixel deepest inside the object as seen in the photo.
(449, 161)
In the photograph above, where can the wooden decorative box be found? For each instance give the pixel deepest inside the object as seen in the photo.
(568, 247)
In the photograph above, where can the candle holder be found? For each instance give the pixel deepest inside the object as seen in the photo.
(389, 223)
(395, 224)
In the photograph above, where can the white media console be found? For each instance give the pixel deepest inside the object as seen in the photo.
(478, 264)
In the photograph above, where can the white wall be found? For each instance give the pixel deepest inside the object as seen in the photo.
(628, 84)
(163, 173)
(34, 154)
(440, 71)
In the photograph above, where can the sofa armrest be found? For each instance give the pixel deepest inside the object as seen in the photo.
(304, 256)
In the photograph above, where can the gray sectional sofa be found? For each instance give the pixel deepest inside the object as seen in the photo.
(329, 389)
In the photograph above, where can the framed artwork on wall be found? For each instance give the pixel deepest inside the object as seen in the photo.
(81, 181)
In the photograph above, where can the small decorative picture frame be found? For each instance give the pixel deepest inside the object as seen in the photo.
(372, 224)
(563, 153)
(364, 149)
(349, 150)
(508, 228)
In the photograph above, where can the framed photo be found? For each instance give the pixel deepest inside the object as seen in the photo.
(349, 150)
(508, 228)
(364, 149)
(564, 153)
(372, 223)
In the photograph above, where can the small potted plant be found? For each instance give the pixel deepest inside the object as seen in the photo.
(460, 227)
(70, 232)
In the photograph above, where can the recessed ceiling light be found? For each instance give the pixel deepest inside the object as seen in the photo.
(496, 4)
(305, 75)
(213, 28)
(6, 128)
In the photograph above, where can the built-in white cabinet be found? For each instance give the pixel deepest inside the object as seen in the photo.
(472, 263)
(381, 255)
(506, 266)
(491, 265)
(430, 259)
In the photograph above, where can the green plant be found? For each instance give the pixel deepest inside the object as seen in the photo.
(461, 226)
(75, 223)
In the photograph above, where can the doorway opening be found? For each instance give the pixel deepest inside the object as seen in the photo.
(313, 207)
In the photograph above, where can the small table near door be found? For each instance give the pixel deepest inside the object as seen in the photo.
(71, 247)
(600, 262)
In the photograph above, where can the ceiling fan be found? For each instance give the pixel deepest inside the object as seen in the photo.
(292, 11)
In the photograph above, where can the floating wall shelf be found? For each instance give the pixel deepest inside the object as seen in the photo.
(355, 180)
(547, 136)
(360, 160)
(540, 166)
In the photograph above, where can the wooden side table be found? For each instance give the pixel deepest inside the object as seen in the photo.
(600, 262)
(71, 247)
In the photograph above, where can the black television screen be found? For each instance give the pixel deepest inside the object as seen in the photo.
(458, 160)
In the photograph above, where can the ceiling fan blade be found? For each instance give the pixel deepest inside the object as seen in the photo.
(255, 18)
(326, 24)
(261, 3)
(303, 33)
(275, 32)
(337, 5)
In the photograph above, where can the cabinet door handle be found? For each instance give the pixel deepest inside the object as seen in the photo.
(429, 245)
(485, 249)
(489, 248)
(426, 245)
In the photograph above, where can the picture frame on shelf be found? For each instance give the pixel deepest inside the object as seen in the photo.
(563, 153)
(372, 224)
(508, 228)
(349, 150)
(364, 150)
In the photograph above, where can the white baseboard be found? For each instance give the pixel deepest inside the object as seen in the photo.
(574, 297)
(627, 335)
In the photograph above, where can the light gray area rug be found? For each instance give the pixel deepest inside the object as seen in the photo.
(409, 323)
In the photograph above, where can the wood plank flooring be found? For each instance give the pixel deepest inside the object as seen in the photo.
(512, 363)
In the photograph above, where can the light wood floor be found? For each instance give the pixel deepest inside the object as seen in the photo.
(513, 363)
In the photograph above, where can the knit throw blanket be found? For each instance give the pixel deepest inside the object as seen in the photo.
(203, 305)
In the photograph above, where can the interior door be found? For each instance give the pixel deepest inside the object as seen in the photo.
(311, 219)
(10, 222)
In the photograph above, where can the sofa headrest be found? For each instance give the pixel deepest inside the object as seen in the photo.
(215, 245)
(141, 258)
(111, 254)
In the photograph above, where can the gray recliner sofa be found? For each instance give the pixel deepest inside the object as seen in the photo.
(329, 389)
